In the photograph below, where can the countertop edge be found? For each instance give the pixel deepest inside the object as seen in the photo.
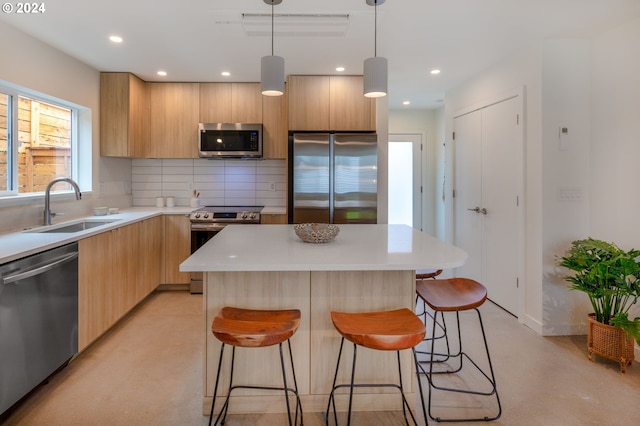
(20, 244)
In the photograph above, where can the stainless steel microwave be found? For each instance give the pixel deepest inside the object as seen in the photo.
(229, 140)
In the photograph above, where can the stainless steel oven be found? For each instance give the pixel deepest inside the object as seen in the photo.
(207, 221)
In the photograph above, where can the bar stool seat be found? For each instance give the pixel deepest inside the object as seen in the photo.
(456, 295)
(451, 295)
(250, 328)
(387, 331)
(254, 328)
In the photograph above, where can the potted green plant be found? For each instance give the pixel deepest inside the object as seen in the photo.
(610, 277)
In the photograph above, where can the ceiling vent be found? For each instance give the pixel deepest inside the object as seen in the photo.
(296, 25)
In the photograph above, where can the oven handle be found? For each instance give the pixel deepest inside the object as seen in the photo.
(207, 227)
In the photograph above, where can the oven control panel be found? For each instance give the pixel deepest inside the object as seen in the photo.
(216, 216)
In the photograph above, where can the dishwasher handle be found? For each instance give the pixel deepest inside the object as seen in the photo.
(39, 269)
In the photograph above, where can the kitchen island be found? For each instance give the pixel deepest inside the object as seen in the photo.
(365, 268)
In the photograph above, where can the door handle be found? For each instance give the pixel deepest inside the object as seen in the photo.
(476, 209)
(483, 210)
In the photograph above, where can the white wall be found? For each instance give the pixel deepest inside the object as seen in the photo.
(32, 64)
(566, 98)
(590, 86)
(615, 140)
(425, 123)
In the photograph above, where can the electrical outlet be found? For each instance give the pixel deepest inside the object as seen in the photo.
(570, 193)
(272, 186)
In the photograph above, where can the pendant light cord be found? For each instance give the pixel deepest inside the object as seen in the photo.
(271, 29)
(375, 29)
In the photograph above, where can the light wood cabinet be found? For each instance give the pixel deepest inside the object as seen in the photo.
(177, 247)
(246, 103)
(230, 103)
(124, 115)
(273, 219)
(309, 102)
(174, 116)
(329, 103)
(116, 270)
(349, 108)
(275, 126)
(149, 271)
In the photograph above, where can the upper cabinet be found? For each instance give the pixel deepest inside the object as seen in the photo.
(309, 102)
(174, 116)
(230, 103)
(243, 103)
(350, 109)
(124, 115)
(329, 103)
(160, 120)
(275, 131)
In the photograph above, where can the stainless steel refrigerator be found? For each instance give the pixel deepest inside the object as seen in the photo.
(333, 178)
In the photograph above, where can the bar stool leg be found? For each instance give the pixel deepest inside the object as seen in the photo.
(333, 389)
(418, 367)
(215, 389)
(442, 325)
(461, 354)
(223, 411)
(352, 385)
(295, 386)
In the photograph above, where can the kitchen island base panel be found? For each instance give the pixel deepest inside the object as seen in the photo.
(316, 344)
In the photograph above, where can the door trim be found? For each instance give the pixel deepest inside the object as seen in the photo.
(418, 208)
(521, 235)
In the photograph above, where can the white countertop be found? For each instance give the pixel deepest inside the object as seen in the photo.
(16, 245)
(274, 210)
(357, 247)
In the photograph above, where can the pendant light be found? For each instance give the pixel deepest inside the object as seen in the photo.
(272, 67)
(375, 68)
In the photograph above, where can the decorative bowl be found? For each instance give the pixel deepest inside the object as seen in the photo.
(316, 232)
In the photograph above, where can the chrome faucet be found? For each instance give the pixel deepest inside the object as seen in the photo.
(48, 214)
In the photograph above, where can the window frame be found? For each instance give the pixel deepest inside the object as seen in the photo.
(80, 127)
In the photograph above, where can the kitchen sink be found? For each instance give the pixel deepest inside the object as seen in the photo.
(73, 227)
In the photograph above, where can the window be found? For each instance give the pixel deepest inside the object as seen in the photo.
(37, 142)
(5, 119)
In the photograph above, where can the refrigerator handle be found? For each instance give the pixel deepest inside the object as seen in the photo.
(332, 171)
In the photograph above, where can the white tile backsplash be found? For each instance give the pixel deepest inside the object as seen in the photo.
(220, 182)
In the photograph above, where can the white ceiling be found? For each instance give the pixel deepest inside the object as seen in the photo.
(195, 40)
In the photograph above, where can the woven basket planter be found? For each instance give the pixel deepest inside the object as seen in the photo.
(609, 342)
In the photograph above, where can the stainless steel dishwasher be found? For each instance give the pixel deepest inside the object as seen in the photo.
(38, 319)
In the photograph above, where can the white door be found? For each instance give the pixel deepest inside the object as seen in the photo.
(488, 144)
(405, 180)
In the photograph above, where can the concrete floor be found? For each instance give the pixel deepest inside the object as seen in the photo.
(148, 371)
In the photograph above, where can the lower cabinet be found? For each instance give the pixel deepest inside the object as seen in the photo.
(116, 270)
(273, 219)
(177, 247)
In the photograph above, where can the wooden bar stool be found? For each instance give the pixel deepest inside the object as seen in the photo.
(249, 328)
(456, 295)
(386, 331)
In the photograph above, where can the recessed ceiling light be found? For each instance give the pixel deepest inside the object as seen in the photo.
(434, 71)
(340, 69)
(115, 39)
(162, 73)
(225, 73)
(406, 103)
